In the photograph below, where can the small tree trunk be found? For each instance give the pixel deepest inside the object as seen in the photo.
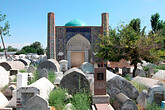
(4, 46)
(135, 67)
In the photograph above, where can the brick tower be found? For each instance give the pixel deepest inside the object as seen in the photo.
(51, 40)
(105, 23)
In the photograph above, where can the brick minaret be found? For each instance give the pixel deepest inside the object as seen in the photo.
(105, 23)
(51, 39)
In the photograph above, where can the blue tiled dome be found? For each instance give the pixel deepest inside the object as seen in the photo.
(75, 22)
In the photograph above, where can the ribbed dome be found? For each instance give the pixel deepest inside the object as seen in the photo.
(75, 22)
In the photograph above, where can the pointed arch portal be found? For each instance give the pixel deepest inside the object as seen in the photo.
(77, 50)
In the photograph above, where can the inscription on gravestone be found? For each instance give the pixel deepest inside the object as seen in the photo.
(100, 81)
(158, 97)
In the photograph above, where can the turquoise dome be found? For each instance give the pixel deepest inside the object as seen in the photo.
(75, 22)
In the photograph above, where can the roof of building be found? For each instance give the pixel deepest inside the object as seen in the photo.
(75, 22)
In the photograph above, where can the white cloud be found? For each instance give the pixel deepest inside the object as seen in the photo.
(15, 45)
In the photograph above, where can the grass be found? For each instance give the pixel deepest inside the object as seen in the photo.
(57, 97)
(81, 101)
(153, 106)
(127, 77)
(51, 76)
(138, 86)
(161, 67)
(23, 71)
(15, 79)
(36, 77)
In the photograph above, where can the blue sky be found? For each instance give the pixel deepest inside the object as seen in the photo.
(28, 18)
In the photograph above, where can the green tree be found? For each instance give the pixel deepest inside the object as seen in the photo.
(10, 49)
(33, 48)
(156, 23)
(126, 43)
(4, 29)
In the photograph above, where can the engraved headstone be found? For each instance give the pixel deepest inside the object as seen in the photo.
(87, 67)
(100, 81)
(124, 71)
(37, 103)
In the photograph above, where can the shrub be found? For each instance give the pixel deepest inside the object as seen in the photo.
(81, 101)
(127, 77)
(57, 97)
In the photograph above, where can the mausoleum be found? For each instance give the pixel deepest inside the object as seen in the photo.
(76, 41)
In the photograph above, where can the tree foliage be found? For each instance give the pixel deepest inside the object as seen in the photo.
(33, 48)
(128, 42)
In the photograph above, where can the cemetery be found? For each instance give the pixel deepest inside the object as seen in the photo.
(86, 67)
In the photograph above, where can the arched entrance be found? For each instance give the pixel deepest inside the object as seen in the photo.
(77, 50)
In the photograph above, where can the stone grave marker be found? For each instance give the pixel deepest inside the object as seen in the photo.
(22, 79)
(156, 94)
(4, 77)
(100, 96)
(150, 72)
(100, 81)
(124, 71)
(116, 70)
(31, 69)
(111, 69)
(87, 67)
(13, 71)
(137, 72)
(43, 73)
(37, 103)
(24, 94)
(63, 65)
(74, 80)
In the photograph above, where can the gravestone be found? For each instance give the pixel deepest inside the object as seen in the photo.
(124, 71)
(122, 102)
(142, 99)
(117, 84)
(4, 77)
(13, 71)
(57, 80)
(63, 65)
(44, 86)
(111, 69)
(156, 94)
(142, 73)
(150, 72)
(49, 65)
(3, 99)
(160, 75)
(43, 73)
(87, 67)
(100, 81)
(100, 96)
(31, 69)
(137, 72)
(147, 82)
(117, 70)
(22, 79)
(24, 94)
(74, 80)
(37, 103)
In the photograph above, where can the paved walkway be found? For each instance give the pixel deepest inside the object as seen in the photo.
(104, 107)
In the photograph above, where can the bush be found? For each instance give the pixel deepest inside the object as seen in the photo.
(57, 97)
(127, 77)
(81, 101)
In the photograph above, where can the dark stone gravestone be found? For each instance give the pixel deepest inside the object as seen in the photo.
(111, 69)
(124, 71)
(100, 81)
(100, 96)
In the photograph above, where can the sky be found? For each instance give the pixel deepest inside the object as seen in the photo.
(28, 18)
